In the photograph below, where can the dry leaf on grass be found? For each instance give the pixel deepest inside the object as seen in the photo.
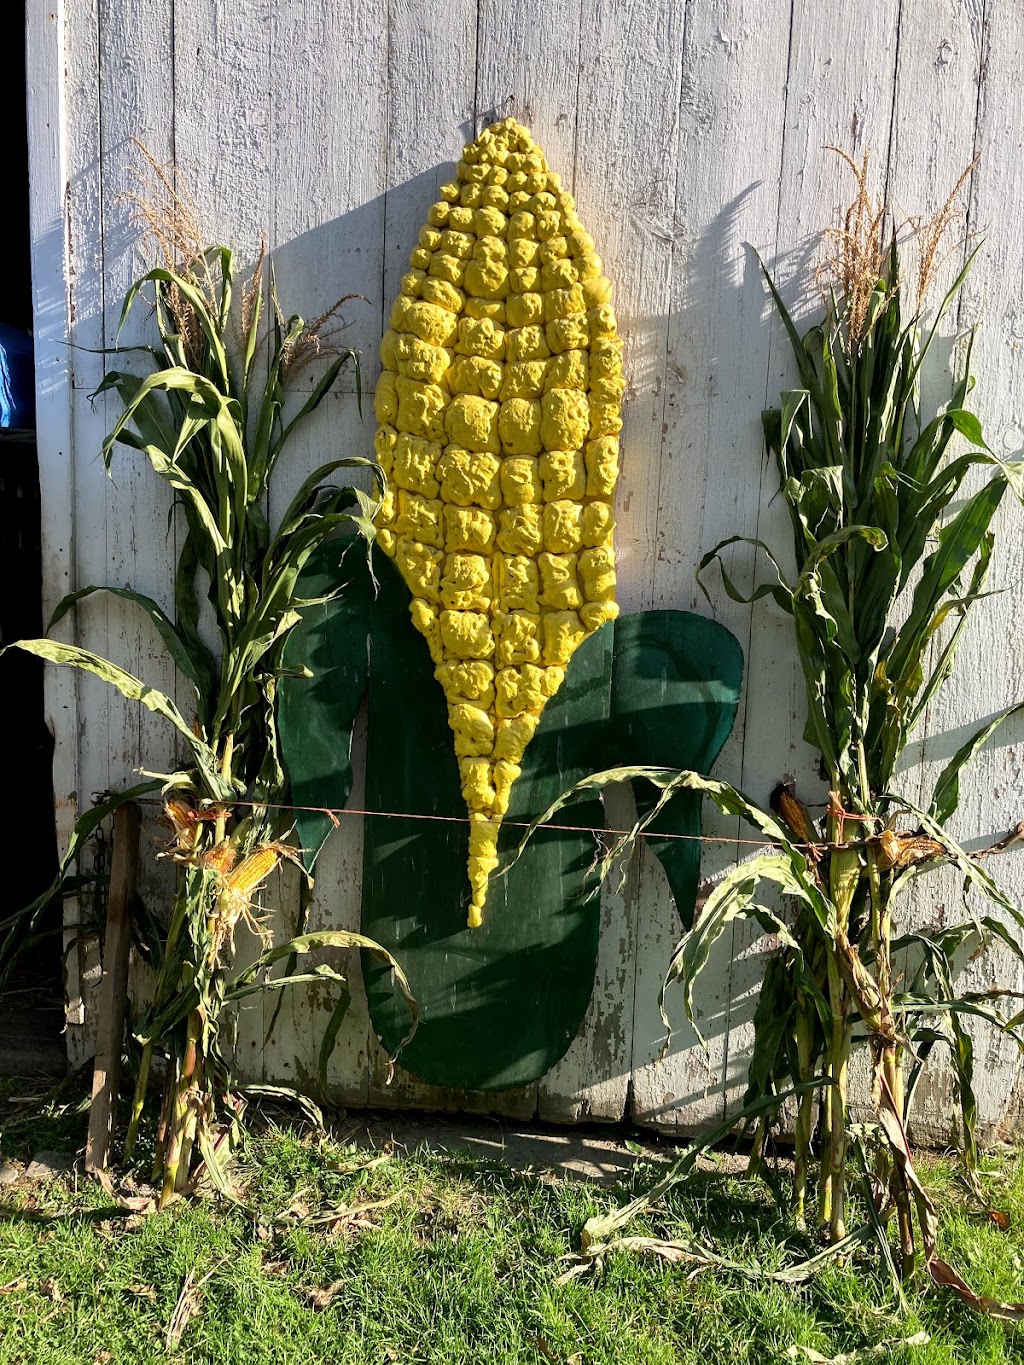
(551, 1354)
(701, 1257)
(134, 1203)
(946, 1277)
(17, 1286)
(141, 1291)
(188, 1305)
(348, 1165)
(319, 1299)
(880, 1351)
(335, 1219)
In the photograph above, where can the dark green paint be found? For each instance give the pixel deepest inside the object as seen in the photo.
(315, 716)
(502, 1003)
(675, 689)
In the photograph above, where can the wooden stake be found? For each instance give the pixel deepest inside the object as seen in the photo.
(106, 1078)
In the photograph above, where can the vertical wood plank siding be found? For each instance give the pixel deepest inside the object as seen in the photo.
(694, 135)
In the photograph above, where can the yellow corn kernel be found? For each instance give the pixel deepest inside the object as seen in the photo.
(253, 870)
(498, 406)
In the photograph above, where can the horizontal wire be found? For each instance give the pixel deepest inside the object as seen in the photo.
(332, 813)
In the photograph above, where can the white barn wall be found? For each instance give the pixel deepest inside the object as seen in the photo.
(693, 135)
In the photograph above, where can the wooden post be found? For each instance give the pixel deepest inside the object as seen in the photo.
(106, 1078)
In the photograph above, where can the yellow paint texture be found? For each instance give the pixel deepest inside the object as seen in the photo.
(499, 416)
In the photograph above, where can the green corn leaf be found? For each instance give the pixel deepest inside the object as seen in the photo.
(186, 610)
(322, 973)
(670, 782)
(941, 311)
(811, 623)
(959, 541)
(176, 646)
(212, 332)
(319, 392)
(877, 1226)
(331, 938)
(946, 797)
(960, 605)
(826, 547)
(252, 337)
(807, 373)
(223, 258)
(906, 1002)
(150, 415)
(298, 506)
(71, 656)
(602, 1226)
(780, 591)
(265, 446)
(771, 1055)
(733, 897)
(275, 614)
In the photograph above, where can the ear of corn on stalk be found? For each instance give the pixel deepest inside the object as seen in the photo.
(238, 883)
(499, 412)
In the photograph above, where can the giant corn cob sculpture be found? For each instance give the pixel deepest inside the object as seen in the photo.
(498, 412)
(499, 417)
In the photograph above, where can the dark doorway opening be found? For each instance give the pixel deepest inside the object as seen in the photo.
(32, 995)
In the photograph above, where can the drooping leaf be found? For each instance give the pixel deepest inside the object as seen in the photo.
(732, 897)
(946, 796)
(72, 656)
(177, 648)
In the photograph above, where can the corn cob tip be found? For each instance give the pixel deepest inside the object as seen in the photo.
(498, 406)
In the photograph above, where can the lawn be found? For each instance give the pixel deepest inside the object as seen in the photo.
(435, 1256)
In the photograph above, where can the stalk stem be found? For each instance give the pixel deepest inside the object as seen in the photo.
(227, 755)
(805, 1110)
(180, 1109)
(138, 1100)
(838, 1102)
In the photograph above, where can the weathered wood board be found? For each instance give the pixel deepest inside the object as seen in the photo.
(693, 134)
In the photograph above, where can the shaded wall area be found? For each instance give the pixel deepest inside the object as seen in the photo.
(31, 1014)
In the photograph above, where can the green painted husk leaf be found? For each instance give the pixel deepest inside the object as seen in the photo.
(499, 1004)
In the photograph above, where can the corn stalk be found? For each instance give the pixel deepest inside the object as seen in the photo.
(885, 577)
(211, 419)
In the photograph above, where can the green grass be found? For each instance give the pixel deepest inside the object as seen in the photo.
(461, 1266)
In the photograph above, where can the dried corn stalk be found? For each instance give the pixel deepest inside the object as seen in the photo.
(499, 417)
